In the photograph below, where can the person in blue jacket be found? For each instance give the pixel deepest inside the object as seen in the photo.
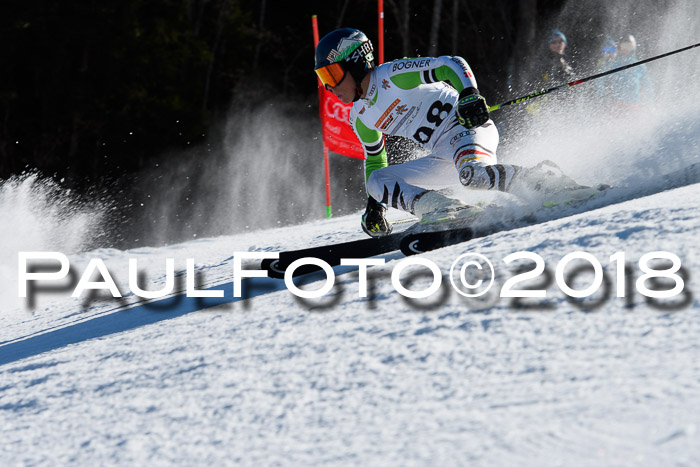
(629, 89)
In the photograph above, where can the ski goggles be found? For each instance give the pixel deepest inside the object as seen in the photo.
(331, 75)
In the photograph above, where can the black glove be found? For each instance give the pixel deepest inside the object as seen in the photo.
(373, 221)
(472, 110)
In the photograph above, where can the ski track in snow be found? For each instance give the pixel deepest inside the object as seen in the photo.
(276, 381)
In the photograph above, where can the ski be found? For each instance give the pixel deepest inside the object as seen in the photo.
(332, 254)
(421, 242)
(412, 241)
(575, 197)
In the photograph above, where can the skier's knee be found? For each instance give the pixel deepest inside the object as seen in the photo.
(488, 177)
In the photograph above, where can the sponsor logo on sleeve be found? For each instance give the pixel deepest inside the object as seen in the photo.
(463, 65)
(405, 65)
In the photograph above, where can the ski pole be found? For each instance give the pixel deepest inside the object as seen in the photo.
(583, 80)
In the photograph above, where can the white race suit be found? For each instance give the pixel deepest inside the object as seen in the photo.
(416, 98)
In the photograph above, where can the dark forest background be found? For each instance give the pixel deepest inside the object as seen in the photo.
(94, 92)
(94, 88)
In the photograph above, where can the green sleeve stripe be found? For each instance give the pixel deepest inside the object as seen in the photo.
(445, 73)
(373, 163)
(369, 136)
(412, 79)
(408, 80)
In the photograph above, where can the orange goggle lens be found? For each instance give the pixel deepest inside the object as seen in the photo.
(331, 75)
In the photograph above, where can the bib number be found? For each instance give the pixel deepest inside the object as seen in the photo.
(437, 113)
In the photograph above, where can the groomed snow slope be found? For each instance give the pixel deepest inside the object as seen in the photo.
(351, 380)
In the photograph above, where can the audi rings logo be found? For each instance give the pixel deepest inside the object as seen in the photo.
(461, 135)
(337, 110)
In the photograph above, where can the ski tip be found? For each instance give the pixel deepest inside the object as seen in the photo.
(273, 268)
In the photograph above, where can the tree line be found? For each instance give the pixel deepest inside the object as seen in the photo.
(94, 89)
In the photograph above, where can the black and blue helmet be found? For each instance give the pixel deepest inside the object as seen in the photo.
(350, 48)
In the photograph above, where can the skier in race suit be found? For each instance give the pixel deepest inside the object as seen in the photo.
(433, 101)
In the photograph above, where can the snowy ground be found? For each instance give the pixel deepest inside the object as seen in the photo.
(352, 380)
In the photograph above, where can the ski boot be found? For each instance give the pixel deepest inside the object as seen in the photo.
(433, 209)
(549, 183)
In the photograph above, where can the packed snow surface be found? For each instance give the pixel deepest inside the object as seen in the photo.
(342, 379)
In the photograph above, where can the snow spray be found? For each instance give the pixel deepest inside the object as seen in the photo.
(39, 215)
(262, 169)
(596, 139)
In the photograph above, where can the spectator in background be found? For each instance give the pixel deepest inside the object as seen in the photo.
(551, 68)
(609, 53)
(555, 66)
(629, 89)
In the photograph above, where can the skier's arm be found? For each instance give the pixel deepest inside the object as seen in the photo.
(373, 145)
(472, 110)
(453, 70)
(456, 72)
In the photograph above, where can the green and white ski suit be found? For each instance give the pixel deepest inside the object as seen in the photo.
(416, 98)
